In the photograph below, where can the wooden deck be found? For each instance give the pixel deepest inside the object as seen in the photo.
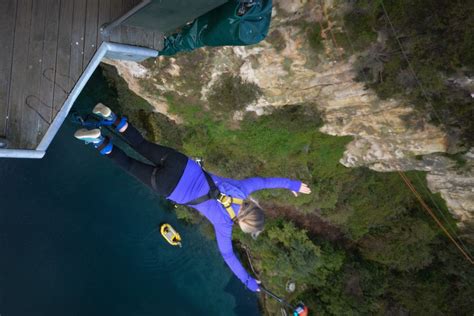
(46, 45)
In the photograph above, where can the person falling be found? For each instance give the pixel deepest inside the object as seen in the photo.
(173, 175)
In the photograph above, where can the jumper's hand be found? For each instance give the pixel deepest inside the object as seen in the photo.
(253, 285)
(303, 189)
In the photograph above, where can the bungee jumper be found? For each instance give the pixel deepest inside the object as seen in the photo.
(223, 201)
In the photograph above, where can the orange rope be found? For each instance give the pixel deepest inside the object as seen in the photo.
(430, 211)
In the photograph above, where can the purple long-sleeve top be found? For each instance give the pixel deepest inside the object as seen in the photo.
(193, 184)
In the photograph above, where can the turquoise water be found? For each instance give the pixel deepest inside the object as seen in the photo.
(76, 238)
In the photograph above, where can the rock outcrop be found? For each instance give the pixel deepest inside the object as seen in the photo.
(456, 186)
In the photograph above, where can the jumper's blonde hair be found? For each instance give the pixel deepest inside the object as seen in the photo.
(251, 218)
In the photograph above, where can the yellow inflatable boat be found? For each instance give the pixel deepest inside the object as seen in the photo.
(171, 235)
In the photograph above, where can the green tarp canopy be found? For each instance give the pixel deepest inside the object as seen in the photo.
(222, 26)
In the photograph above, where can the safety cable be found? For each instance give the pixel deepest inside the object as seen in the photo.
(428, 209)
(250, 261)
(401, 173)
(448, 223)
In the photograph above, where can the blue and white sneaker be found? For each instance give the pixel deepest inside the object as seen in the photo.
(109, 118)
(94, 137)
(104, 112)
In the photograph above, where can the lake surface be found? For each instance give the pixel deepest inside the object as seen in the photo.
(76, 238)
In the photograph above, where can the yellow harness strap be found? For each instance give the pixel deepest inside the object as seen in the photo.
(227, 202)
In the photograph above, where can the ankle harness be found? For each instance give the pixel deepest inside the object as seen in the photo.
(119, 122)
(105, 147)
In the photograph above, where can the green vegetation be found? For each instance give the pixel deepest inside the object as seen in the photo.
(313, 34)
(358, 32)
(392, 257)
(315, 41)
(277, 40)
(231, 93)
(438, 40)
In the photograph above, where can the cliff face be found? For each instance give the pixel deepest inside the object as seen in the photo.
(456, 186)
(297, 66)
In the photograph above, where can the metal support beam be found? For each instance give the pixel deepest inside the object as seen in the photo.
(21, 153)
(107, 28)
